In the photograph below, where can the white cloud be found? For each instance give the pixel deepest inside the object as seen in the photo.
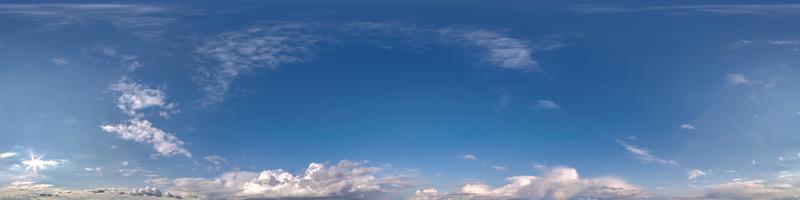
(689, 126)
(141, 130)
(645, 156)
(7, 155)
(499, 168)
(215, 159)
(731, 9)
(785, 42)
(134, 97)
(747, 43)
(224, 58)
(229, 55)
(346, 179)
(225, 186)
(497, 49)
(751, 189)
(559, 183)
(741, 44)
(427, 194)
(139, 20)
(61, 61)
(695, 173)
(28, 185)
(738, 79)
(544, 104)
(469, 157)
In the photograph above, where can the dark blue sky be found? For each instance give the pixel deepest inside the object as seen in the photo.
(464, 98)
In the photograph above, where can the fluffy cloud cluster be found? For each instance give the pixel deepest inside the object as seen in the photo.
(558, 183)
(141, 130)
(133, 98)
(346, 179)
(232, 54)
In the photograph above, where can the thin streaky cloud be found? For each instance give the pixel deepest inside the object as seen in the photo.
(645, 155)
(731, 9)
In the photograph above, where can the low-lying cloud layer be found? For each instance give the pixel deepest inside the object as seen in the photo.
(346, 179)
(558, 183)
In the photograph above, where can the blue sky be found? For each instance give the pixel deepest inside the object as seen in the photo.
(403, 99)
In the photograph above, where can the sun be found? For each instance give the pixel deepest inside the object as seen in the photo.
(36, 163)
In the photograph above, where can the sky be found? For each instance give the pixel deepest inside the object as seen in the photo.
(358, 99)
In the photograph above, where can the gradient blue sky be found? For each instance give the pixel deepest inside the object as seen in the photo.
(657, 99)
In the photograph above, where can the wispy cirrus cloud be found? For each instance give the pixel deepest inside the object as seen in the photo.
(230, 55)
(145, 21)
(645, 155)
(226, 57)
(496, 48)
(468, 157)
(720, 9)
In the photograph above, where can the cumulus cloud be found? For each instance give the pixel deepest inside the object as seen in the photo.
(225, 186)
(7, 155)
(558, 183)
(695, 173)
(141, 130)
(231, 54)
(544, 104)
(645, 156)
(497, 49)
(751, 189)
(689, 125)
(134, 97)
(427, 194)
(346, 179)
